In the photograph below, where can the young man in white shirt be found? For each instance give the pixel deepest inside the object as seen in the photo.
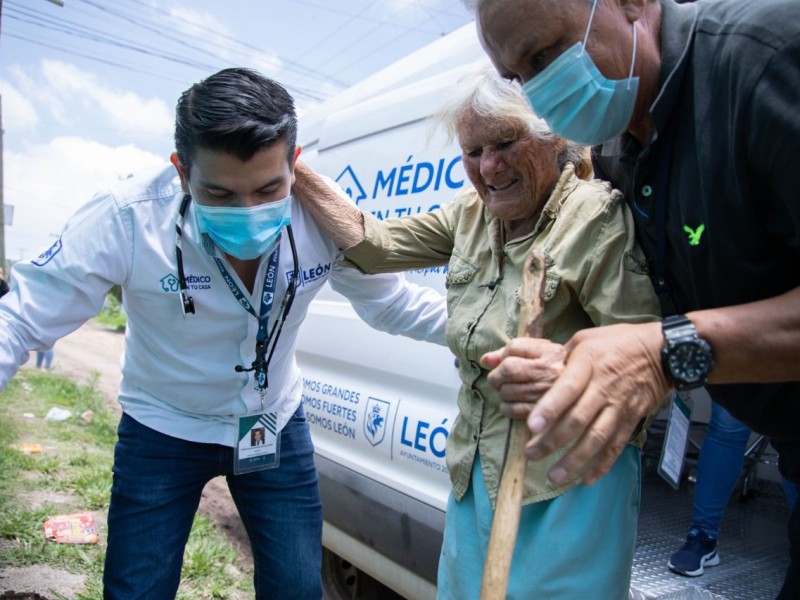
(212, 255)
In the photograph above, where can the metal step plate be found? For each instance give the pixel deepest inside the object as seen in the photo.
(753, 544)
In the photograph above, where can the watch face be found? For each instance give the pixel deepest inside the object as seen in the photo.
(690, 362)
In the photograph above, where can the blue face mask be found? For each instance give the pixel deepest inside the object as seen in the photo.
(244, 232)
(577, 100)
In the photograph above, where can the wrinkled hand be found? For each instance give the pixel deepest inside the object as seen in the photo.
(523, 371)
(340, 219)
(305, 181)
(611, 381)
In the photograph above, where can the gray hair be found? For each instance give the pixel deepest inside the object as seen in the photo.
(502, 101)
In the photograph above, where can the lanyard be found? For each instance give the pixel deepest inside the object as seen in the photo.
(187, 303)
(266, 340)
(260, 364)
(267, 296)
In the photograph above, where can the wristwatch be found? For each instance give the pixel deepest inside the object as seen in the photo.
(686, 357)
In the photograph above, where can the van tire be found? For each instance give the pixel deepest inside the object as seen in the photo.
(339, 577)
(342, 580)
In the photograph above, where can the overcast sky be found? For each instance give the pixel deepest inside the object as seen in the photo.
(89, 89)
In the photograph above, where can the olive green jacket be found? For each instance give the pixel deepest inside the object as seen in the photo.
(596, 275)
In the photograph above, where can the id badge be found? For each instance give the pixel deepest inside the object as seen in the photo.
(258, 444)
(673, 452)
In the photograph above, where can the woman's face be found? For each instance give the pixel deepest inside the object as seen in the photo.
(513, 173)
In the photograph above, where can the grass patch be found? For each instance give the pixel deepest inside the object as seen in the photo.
(76, 464)
(112, 315)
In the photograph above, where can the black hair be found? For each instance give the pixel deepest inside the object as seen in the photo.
(236, 111)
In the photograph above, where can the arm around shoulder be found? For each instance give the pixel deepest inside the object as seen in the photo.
(333, 213)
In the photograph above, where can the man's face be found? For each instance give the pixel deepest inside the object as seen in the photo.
(221, 179)
(522, 37)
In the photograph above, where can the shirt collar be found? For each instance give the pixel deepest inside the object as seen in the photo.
(677, 24)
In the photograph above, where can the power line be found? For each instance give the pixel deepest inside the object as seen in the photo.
(291, 64)
(72, 29)
(383, 43)
(148, 27)
(39, 42)
(151, 19)
(114, 41)
(361, 16)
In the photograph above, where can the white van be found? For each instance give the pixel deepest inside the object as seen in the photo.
(381, 406)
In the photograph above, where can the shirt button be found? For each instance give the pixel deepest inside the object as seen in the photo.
(647, 191)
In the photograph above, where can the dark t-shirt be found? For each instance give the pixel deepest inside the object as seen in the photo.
(3, 287)
(730, 95)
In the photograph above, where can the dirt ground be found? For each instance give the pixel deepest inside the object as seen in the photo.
(94, 351)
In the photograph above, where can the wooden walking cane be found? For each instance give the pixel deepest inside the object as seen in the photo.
(509, 496)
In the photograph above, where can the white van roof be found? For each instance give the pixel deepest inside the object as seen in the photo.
(403, 92)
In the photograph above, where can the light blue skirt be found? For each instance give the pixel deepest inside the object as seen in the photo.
(576, 546)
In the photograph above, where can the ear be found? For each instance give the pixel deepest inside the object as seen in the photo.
(176, 162)
(297, 151)
(633, 9)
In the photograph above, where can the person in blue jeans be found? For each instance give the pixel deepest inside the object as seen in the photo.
(718, 468)
(44, 359)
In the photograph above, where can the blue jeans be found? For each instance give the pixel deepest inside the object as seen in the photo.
(718, 469)
(44, 359)
(156, 490)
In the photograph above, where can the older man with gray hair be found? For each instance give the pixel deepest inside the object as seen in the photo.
(692, 112)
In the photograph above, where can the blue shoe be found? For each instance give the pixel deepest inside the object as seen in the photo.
(699, 551)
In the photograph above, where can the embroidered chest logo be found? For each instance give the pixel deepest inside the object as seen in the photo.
(308, 276)
(694, 234)
(171, 284)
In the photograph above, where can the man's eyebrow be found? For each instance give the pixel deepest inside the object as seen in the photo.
(211, 185)
(274, 181)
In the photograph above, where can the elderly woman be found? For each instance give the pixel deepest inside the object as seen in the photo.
(574, 541)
